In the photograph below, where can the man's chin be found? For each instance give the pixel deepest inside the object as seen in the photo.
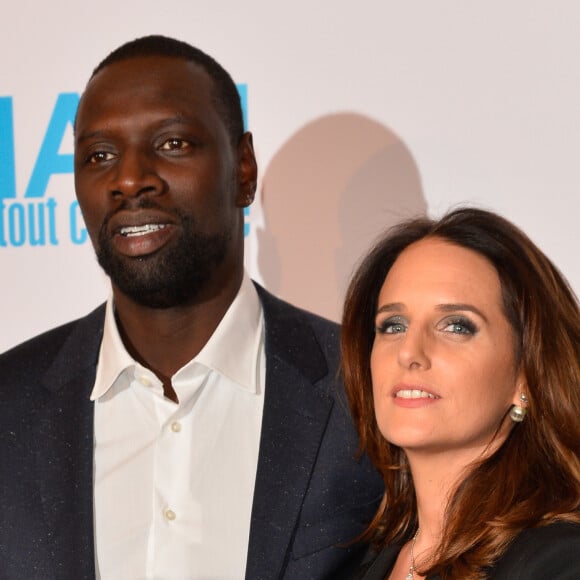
(152, 294)
(170, 277)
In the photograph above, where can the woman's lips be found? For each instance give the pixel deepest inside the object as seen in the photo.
(411, 396)
(414, 394)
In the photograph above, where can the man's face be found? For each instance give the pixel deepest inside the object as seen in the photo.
(160, 186)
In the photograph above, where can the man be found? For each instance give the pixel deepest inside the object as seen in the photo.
(192, 427)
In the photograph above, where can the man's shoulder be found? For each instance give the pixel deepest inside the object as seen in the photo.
(284, 312)
(38, 352)
(305, 340)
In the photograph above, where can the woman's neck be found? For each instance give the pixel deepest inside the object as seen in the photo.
(435, 480)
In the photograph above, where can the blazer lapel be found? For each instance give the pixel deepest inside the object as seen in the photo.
(63, 425)
(295, 417)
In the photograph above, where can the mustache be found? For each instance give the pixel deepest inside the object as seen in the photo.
(141, 203)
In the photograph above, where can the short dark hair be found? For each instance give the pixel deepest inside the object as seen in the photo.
(537, 468)
(225, 93)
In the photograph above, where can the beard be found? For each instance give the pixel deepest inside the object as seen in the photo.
(175, 275)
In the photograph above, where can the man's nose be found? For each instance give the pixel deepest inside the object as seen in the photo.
(136, 174)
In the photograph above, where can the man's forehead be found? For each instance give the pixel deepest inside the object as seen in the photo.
(154, 77)
(154, 71)
(131, 86)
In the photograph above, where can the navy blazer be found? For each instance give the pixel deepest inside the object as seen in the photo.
(547, 553)
(311, 495)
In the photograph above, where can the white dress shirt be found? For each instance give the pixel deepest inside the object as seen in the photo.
(174, 482)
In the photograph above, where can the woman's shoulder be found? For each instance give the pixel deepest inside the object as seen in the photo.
(377, 564)
(551, 551)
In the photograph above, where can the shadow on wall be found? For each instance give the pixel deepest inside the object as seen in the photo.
(329, 192)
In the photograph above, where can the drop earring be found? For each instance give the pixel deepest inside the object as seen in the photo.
(518, 412)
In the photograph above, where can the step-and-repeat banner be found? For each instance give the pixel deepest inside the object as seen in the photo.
(362, 115)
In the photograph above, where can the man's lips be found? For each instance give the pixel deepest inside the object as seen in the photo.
(131, 231)
(125, 222)
(136, 234)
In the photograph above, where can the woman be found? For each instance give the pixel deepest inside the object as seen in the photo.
(461, 358)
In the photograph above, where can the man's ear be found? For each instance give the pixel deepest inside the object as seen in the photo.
(247, 171)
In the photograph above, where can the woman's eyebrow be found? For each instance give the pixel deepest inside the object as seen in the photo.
(453, 307)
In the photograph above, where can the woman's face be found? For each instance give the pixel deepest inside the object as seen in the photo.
(443, 365)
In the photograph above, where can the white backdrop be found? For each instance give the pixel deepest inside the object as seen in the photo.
(395, 106)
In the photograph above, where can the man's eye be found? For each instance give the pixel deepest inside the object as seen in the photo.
(99, 157)
(174, 145)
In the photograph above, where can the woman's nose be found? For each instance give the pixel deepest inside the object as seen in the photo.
(413, 350)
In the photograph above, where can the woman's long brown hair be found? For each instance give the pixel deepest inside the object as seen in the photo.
(534, 478)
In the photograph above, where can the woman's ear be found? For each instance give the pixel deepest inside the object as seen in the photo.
(519, 406)
(520, 397)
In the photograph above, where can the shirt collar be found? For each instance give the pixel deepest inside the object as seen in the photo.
(233, 349)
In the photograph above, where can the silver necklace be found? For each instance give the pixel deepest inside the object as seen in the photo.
(411, 574)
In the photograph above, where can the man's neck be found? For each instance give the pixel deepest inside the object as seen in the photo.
(164, 340)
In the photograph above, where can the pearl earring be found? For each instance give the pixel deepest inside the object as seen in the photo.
(518, 412)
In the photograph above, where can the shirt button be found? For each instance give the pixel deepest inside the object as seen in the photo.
(169, 515)
(145, 381)
(176, 426)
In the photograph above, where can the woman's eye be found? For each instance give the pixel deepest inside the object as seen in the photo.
(174, 144)
(391, 326)
(459, 326)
